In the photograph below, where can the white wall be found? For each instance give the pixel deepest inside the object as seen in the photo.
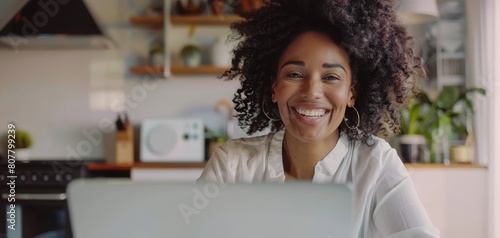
(60, 95)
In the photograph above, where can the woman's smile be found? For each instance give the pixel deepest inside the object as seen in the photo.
(310, 114)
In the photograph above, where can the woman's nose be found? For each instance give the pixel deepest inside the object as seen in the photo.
(312, 88)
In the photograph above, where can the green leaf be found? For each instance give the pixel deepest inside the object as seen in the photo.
(481, 91)
(460, 129)
(448, 97)
(469, 105)
(423, 98)
(414, 115)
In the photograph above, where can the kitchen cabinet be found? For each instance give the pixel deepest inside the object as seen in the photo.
(174, 31)
(450, 44)
(454, 199)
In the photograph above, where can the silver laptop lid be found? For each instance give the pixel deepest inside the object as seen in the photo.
(124, 208)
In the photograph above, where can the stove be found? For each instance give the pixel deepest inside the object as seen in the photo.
(40, 197)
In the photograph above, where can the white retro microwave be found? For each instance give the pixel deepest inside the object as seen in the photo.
(172, 140)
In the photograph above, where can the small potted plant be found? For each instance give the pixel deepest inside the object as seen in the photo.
(412, 143)
(451, 109)
(23, 142)
(439, 120)
(215, 140)
(191, 53)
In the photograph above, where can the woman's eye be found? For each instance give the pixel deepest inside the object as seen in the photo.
(331, 78)
(294, 75)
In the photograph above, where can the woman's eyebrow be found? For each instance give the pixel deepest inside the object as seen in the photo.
(294, 62)
(327, 65)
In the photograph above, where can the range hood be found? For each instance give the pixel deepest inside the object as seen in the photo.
(50, 24)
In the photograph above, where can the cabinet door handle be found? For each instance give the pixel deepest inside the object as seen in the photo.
(38, 196)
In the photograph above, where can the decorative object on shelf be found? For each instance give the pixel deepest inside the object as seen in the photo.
(190, 7)
(463, 153)
(411, 144)
(413, 148)
(228, 106)
(124, 140)
(23, 143)
(451, 9)
(191, 52)
(413, 12)
(215, 140)
(191, 55)
(452, 35)
(220, 53)
(250, 5)
(217, 7)
(156, 53)
(156, 7)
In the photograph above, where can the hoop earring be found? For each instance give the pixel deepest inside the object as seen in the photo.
(357, 124)
(267, 115)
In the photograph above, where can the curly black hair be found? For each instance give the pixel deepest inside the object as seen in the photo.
(384, 66)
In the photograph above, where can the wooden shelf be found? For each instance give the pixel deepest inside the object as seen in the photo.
(157, 21)
(148, 21)
(203, 69)
(147, 69)
(443, 166)
(115, 167)
(204, 19)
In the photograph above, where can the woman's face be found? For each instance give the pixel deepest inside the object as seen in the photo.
(313, 87)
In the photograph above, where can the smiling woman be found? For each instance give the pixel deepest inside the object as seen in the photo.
(327, 77)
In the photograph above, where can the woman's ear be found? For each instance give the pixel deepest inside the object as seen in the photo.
(273, 92)
(352, 97)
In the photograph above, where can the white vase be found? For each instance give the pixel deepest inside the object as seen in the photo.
(220, 54)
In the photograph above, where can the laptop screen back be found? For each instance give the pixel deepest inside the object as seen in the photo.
(125, 208)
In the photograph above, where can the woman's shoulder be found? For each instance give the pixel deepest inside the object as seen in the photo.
(374, 145)
(376, 153)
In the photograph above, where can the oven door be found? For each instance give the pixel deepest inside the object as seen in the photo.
(38, 215)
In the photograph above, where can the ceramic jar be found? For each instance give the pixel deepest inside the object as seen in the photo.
(220, 54)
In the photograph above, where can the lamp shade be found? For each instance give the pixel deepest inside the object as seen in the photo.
(413, 12)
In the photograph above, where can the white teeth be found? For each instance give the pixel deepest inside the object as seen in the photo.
(311, 113)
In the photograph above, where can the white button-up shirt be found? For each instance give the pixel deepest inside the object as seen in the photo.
(385, 201)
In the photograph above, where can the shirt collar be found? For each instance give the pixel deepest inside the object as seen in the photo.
(331, 162)
(275, 159)
(333, 159)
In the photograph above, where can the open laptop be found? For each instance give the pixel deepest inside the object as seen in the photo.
(124, 208)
